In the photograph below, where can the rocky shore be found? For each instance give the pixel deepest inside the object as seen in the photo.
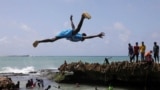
(117, 73)
(6, 83)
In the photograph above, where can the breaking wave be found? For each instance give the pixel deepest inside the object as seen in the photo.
(24, 70)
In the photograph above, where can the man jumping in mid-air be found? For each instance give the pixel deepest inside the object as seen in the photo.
(71, 34)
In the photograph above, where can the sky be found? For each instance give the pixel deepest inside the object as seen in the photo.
(123, 21)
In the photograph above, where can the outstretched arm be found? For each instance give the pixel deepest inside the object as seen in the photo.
(72, 24)
(100, 35)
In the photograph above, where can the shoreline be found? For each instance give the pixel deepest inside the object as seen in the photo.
(122, 73)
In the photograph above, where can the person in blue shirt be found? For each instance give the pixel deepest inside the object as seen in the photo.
(72, 34)
(130, 52)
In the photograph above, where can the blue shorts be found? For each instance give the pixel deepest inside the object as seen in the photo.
(65, 34)
(69, 36)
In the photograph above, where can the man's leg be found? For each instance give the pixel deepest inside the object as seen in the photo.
(137, 58)
(141, 56)
(154, 57)
(130, 58)
(84, 15)
(35, 44)
(158, 57)
(133, 57)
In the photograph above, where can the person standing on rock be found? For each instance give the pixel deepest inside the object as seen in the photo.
(130, 51)
(156, 52)
(142, 51)
(136, 52)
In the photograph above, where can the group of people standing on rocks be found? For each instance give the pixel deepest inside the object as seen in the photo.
(134, 51)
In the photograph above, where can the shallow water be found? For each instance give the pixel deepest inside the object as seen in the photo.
(23, 80)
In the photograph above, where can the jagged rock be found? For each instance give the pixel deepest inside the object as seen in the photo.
(118, 71)
(6, 83)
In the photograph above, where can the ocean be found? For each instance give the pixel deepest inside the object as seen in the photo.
(26, 64)
(22, 64)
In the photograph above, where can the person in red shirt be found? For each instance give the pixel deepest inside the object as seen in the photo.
(136, 51)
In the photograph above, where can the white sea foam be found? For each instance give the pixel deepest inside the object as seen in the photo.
(24, 70)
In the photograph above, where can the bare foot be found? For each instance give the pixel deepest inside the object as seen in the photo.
(35, 44)
(86, 15)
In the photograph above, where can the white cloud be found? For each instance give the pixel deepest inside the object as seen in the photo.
(20, 26)
(123, 32)
(155, 35)
(24, 27)
(119, 26)
(16, 35)
(3, 40)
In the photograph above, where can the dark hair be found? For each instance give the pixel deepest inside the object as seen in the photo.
(83, 34)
